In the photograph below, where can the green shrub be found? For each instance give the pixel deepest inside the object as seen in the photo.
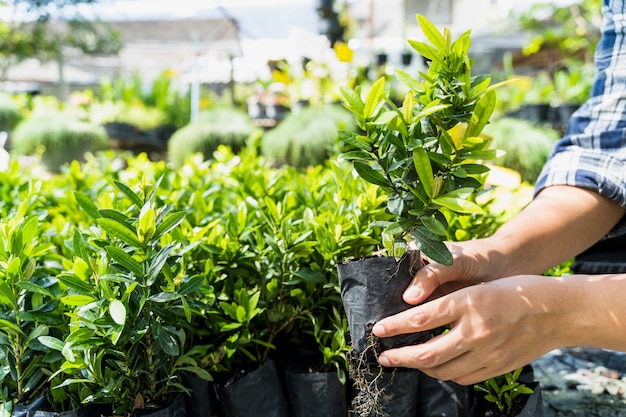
(10, 113)
(308, 137)
(527, 146)
(61, 137)
(221, 126)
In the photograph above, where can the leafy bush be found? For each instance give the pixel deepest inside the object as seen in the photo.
(10, 113)
(220, 126)
(526, 146)
(234, 258)
(308, 137)
(61, 137)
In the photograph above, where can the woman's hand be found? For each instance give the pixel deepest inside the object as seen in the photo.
(495, 327)
(471, 260)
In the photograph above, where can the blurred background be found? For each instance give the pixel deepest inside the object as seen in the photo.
(144, 69)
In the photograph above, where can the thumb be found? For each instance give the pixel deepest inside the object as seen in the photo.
(427, 279)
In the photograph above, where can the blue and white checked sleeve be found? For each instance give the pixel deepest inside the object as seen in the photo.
(592, 153)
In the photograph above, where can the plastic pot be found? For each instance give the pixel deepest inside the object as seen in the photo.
(312, 388)
(201, 402)
(371, 289)
(252, 394)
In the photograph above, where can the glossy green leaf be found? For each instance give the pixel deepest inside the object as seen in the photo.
(120, 231)
(406, 79)
(434, 226)
(52, 342)
(424, 170)
(125, 260)
(169, 223)
(87, 205)
(369, 174)
(134, 198)
(432, 33)
(459, 205)
(80, 248)
(352, 100)
(434, 249)
(374, 98)
(77, 300)
(117, 310)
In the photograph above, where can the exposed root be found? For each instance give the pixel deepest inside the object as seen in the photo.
(371, 397)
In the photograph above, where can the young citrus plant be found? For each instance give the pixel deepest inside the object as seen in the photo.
(427, 153)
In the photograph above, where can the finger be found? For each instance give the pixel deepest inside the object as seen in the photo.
(424, 317)
(440, 356)
(426, 281)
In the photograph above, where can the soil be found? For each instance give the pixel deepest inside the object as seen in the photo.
(582, 382)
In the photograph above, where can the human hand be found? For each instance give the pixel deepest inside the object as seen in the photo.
(472, 264)
(495, 327)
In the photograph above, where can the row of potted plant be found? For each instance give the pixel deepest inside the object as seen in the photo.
(125, 282)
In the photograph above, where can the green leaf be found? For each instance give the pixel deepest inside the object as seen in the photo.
(157, 263)
(163, 297)
(116, 215)
(34, 288)
(7, 296)
(352, 101)
(86, 204)
(435, 250)
(80, 249)
(125, 260)
(370, 175)
(117, 310)
(77, 300)
(434, 226)
(120, 231)
(482, 112)
(136, 200)
(308, 275)
(76, 284)
(355, 140)
(424, 169)
(432, 33)
(425, 50)
(374, 97)
(385, 118)
(459, 205)
(52, 342)
(169, 223)
(398, 228)
(10, 327)
(406, 79)
(168, 343)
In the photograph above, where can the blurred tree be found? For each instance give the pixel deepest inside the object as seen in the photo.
(45, 29)
(574, 29)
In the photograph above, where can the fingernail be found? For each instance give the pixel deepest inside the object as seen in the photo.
(383, 360)
(412, 292)
(378, 330)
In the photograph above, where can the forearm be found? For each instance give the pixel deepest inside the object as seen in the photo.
(558, 224)
(599, 314)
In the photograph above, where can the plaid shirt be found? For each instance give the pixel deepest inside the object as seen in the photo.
(592, 154)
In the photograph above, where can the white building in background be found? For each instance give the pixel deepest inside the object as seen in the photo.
(267, 30)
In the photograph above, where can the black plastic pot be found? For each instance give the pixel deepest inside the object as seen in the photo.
(523, 405)
(253, 394)
(312, 388)
(86, 411)
(371, 289)
(315, 394)
(201, 402)
(398, 396)
(436, 398)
